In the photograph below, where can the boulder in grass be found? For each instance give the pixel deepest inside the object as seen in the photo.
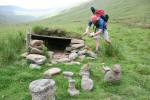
(35, 51)
(77, 41)
(87, 84)
(109, 75)
(117, 72)
(34, 43)
(77, 46)
(43, 89)
(52, 71)
(36, 58)
(68, 74)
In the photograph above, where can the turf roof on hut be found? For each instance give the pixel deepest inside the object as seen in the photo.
(55, 32)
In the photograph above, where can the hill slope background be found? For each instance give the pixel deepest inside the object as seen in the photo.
(120, 11)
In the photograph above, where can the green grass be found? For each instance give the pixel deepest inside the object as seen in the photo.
(131, 49)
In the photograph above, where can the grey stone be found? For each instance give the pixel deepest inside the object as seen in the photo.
(87, 84)
(53, 61)
(34, 43)
(74, 51)
(73, 56)
(69, 49)
(68, 74)
(112, 75)
(91, 54)
(73, 62)
(72, 90)
(109, 75)
(42, 89)
(85, 69)
(77, 41)
(52, 71)
(34, 66)
(41, 47)
(35, 51)
(82, 52)
(117, 72)
(77, 46)
(36, 58)
(64, 60)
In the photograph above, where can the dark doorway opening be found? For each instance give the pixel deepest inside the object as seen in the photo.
(53, 43)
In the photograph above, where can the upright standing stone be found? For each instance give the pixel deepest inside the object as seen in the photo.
(117, 72)
(43, 89)
(85, 69)
(109, 75)
(72, 90)
(87, 83)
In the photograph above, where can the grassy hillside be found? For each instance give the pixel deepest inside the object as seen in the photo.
(135, 85)
(120, 11)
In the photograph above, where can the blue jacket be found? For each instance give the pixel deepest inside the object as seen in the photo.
(100, 25)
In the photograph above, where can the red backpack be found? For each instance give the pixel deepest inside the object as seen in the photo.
(100, 13)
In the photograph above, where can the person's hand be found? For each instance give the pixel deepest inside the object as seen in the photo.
(92, 34)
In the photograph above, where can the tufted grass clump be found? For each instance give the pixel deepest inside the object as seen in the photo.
(112, 50)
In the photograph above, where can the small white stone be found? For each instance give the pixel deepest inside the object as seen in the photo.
(52, 71)
(34, 66)
(73, 56)
(76, 41)
(68, 73)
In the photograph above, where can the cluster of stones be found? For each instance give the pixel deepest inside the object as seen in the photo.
(37, 57)
(113, 74)
(44, 89)
(71, 88)
(77, 49)
(87, 83)
(35, 54)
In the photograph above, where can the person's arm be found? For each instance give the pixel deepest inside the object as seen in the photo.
(88, 28)
(98, 32)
